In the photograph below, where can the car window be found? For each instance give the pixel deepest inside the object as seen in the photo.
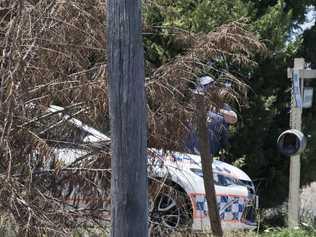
(223, 180)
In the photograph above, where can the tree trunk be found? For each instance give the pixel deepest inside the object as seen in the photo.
(207, 170)
(128, 119)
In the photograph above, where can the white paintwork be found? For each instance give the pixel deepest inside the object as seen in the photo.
(69, 155)
(179, 165)
(98, 135)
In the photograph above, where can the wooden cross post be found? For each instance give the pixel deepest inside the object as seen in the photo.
(298, 75)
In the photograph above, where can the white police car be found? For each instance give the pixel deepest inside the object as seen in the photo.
(177, 196)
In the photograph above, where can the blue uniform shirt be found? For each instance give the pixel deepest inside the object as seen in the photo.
(217, 130)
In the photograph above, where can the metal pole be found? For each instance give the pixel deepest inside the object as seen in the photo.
(295, 123)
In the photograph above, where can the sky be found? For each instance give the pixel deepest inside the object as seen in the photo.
(310, 20)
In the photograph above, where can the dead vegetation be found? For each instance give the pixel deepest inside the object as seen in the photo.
(54, 52)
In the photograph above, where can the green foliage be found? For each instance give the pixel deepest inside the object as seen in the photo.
(288, 233)
(298, 7)
(308, 51)
(266, 115)
(274, 25)
(198, 16)
(309, 128)
(210, 14)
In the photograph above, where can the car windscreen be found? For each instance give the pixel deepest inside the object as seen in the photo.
(223, 180)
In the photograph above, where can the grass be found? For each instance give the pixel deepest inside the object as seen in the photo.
(9, 229)
(275, 232)
(289, 233)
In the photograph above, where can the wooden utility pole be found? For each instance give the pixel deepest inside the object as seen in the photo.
(298, 75)
(207, 160)
(129, 186)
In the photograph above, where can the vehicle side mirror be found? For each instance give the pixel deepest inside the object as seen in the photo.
(291, 142)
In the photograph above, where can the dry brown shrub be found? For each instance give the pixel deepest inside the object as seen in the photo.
(169, 88)
(54, 52)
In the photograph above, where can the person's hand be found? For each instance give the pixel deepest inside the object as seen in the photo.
(230, 116)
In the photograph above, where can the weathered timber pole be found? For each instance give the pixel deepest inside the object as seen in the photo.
(128, 119)
(207, 161)
(295, 164)
(298, 75)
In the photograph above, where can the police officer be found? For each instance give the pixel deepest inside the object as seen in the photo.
(217, 122)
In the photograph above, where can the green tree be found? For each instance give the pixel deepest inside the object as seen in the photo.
(308, 51)
(266, 114)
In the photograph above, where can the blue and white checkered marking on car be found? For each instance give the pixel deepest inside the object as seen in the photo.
(231, 208)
